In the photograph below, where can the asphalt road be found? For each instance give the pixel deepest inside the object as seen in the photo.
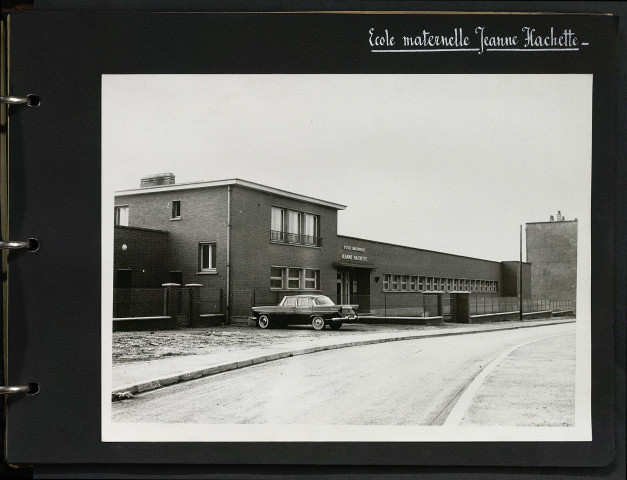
(415, 382)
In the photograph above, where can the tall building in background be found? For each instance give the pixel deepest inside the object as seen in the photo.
(552, 253)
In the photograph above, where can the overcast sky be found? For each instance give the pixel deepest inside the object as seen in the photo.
(453, 163)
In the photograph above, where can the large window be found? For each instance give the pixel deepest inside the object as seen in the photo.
(291, 278)
(294, 227)
(278, 225)
(120, 215)
(386, 281)
(207, 257)
(395, 279)
(311, 229)
(294, 220)
(403, 282)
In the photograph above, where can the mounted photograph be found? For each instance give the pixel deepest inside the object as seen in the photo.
(364, 257)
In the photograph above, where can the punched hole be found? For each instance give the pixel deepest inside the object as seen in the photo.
(33, 244)
(33, 100)
(33, 389)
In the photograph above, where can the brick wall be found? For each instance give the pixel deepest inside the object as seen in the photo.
(510, 282)
(399, 260)
(552, 252)
(145, 255)
(203, 219)
(252, 252)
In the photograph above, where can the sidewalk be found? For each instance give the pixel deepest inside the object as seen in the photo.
(135, 377)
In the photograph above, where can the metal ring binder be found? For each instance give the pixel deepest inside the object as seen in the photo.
(15, 389)
(30, 100)
(15, 245)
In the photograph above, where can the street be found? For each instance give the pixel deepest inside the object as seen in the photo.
(528, 379)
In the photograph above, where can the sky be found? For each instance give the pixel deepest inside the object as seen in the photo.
(452, 163)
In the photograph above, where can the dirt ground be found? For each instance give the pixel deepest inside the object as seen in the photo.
(141, 346)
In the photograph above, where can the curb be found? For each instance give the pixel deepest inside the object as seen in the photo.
(128, 391)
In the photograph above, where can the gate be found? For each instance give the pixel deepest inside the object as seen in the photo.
(242, 302)
(183, 306)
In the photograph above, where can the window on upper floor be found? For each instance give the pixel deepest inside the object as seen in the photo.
(176, 209)
(294, 227)
(120, 215)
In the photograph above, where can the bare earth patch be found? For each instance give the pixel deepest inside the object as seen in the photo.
(142, 346)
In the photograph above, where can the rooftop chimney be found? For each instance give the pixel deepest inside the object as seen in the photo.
(157, 180)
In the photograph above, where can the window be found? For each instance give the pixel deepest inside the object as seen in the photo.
(207, 257)
(312, 279)
(412, 283)
(473, 288)
(496, 286)
(421, 283)
(395, 282)
(455, 284)
(429, 283)
(293, 279)
(277, 276)
(278, 225)
(449, 284)
(121, 216)
(294, 220)
(289, 301)
(312, 228)
(386, 281)
(304, 302)
(404, 282)
(176, 209)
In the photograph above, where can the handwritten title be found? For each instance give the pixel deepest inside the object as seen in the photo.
(479, 41)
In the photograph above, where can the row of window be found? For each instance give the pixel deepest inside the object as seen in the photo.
(291, 226)
(415, 283)
(121, 213)
(290, 278)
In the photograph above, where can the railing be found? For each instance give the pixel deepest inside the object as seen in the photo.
(277, 236)
(485, 305)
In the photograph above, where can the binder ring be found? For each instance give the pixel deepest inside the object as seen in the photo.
(30, 100)
(4, 389)
(15, 245)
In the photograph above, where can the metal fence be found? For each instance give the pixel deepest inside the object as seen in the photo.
(484, 305)
(407, 305)
(150, 302)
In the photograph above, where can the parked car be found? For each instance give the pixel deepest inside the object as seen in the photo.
(317, 310)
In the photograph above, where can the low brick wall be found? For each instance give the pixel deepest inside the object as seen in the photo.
(130, 324)
(376, 320)
(504, 316)
(210, 320)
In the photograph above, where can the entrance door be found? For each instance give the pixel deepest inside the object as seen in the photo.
(348, 288)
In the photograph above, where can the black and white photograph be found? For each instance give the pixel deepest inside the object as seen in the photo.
(333, 257)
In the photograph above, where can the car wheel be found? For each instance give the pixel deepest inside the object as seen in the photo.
(317, 323)
(335, 325)
(263, 321)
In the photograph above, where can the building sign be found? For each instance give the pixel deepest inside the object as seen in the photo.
(354, 256)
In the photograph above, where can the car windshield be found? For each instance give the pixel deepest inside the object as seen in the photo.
(322, 300)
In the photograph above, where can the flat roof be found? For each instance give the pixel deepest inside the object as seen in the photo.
(227, 182)
(416, 248)
(553, 221)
